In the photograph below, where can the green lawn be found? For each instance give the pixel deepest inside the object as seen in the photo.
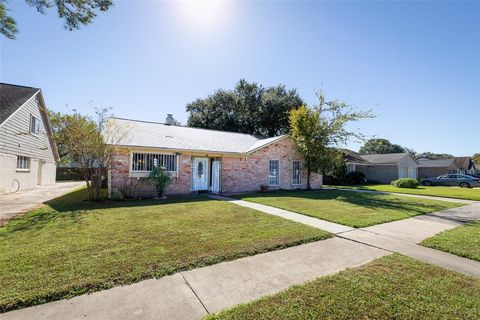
(448, 192)
(73, 246)
(463, 241)
(393, 287)
(352, 209)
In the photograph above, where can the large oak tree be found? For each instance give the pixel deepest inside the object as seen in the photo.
(248, 108)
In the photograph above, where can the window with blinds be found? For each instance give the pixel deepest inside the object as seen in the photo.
(23, 163)
(145, 162)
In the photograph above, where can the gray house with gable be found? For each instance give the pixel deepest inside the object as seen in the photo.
(28, 155)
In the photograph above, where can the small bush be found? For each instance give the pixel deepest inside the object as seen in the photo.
(355, 177)
(160, 178)
(405, 183)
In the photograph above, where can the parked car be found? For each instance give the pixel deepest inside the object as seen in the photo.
(461, 180)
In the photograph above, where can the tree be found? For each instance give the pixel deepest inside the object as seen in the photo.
(433, 156)
(476, 159)
(248, 108)
(380, 146)
(74, 12)
(89, 143)
(319, 130)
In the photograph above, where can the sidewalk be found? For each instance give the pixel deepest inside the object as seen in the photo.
(193, 294)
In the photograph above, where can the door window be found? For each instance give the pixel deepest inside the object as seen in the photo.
(200, 169)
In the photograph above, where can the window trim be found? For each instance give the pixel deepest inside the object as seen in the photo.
(28, 164)
(279, 183)
(31, 126)
(299, 173)
(145, 172)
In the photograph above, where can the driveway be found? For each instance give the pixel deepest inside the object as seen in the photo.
(13, 204)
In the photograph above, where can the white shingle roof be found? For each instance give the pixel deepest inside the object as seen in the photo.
(160, 135)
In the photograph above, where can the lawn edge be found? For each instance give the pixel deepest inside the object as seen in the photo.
(352, 226)
(391, 192)
(95, 287)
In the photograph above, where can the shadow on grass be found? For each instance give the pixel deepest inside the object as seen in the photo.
(73, 206)
(367, 200)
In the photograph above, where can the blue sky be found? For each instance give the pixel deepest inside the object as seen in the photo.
(416, 64)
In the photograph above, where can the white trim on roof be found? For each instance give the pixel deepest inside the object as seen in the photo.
(14, 112)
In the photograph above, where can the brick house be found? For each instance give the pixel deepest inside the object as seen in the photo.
(203, 160)
(382, 168)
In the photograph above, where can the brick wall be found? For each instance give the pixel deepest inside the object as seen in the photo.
(379, 173)
(248, 174)
(121, 182)
(237, 174)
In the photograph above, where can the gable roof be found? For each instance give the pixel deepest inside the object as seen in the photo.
(369, 159)
(163, 136)
(13, 97)
(439, 163)
(389, 158)
(460, 163)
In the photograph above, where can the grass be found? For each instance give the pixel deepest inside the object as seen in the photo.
(447, 192)
(349, 208)
(393, 287)
(73, 246)
(462, 241)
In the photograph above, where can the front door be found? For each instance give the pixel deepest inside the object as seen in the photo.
(200, 174)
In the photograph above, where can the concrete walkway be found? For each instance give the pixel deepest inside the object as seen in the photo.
(13, 204)
(313, 222)
(193, 294)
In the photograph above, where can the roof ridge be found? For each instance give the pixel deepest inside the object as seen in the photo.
(206, 129)
(18, 85)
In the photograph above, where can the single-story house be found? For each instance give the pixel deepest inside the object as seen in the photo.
(203, 160)
(28, 155)
(435, 168)
(382, 168)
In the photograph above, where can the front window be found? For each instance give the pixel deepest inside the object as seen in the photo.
(350, 167)
(23, 163)
(297, 172)
(34, 125)
(145, 162)
(274, 173)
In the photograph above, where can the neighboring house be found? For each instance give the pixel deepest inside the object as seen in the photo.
(435, 168)
(382, 168)
(28, 155)
(204, 160)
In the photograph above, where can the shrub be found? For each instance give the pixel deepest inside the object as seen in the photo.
(405, 183)
(355, 177)
(160, 179)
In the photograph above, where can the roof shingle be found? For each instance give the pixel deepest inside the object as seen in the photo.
(13, 97)
(163, 136)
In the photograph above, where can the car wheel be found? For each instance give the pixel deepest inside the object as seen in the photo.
(427, 183)
(464, 185)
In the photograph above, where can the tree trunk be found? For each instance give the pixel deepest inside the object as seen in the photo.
(309, 186)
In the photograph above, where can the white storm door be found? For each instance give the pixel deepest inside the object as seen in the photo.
(216, 176)
(200, 174)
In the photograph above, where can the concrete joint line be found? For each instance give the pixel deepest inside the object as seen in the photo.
(194, 293)
(366, 244)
